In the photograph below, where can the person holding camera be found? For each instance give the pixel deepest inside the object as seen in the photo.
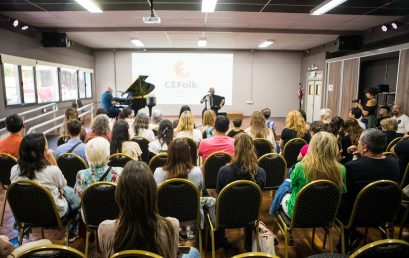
(369, 109)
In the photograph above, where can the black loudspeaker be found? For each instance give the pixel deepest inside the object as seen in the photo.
(383, 88)
(54, 39)
(353, 42)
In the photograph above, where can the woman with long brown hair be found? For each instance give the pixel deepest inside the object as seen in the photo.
(258, 128)
(244, 165)
(179, 165)
(139, 225)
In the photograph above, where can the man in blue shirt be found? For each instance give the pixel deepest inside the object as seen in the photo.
(74, 144)
(108, 102)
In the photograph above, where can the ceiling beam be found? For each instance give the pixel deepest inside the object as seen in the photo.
(201, 29)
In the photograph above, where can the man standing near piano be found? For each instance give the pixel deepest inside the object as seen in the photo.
(108, 103)
(212, 101)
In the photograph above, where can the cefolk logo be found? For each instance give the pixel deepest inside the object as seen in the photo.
(182, 72)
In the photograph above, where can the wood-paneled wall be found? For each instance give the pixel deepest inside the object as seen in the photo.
(334, 79)
(402, 87)
(349, 85)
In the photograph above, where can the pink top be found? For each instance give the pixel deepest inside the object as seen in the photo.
(91, 135)
(304, 150)
(215, 144)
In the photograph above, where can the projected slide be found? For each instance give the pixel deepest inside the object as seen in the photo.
(184, 78)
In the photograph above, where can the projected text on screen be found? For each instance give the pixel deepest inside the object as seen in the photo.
(184, 78)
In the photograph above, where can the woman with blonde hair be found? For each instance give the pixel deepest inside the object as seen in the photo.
(258, 128)
(296, 127)
(209, 117)
(244, 165)
(320, 162)
(186, 128)
(390, 128)
(352, 128)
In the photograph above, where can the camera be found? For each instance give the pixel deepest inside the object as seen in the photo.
(356, 101)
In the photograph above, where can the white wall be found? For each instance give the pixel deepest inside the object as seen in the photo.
(274, 82)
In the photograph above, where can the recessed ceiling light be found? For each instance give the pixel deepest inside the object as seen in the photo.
(15, 23)
(24, 27)
(384, 28)
(326, 6)
(266, 44)
(137, 42)
(91, 6)
(208, 6)
(202, 42)
(394, 25)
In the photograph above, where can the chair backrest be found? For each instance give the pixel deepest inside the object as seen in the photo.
(179, 198)
(255, 255)
(405, 177)
(7, 161)
(390, 154)
(262, 146)
(376, 204)
(324, 196)
(159, 160)
(238, 204)
(392, 143)
(135, 253)
(98, 203)
(51, 251)
(70, 164)
(193, 150)
(383, 248)
(292, 149)
(144, 145)
(119, 160)
(211, 168)
(275, 167)
(62, 139)
(32, 205)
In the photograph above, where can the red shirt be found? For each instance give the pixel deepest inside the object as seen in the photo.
(215, 144)
(11, 144)
(91, 134)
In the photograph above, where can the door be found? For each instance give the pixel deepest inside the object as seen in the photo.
(313, 95)
(317, 100)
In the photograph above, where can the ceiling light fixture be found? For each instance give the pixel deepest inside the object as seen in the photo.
(15, 23)
(208, 6)
(266, 43)
(394, 25)
(384, 28)
(202, 42)
(137, 42)
(24, 27)
(326, 6)
(91, 6)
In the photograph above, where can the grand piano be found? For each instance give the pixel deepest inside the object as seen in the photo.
(135, 95)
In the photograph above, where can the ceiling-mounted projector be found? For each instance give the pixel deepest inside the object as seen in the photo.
(151, 20)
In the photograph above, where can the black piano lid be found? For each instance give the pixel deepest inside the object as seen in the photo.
(139, 87)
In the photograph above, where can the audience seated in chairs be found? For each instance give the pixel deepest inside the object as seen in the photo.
(97, 152)
(219, 142)
(8, 250)
(74, 144)
(335, 127)
(244, 165)
(37, 163)
(186, 128)
(126, 115)
(320, 162)
(182, 109)
(100, 127)
(163, 139)
(356, 114)
(383, 114)
(315, 127)
(258, 128)
(353, 130)
(325, 115)
(70, 113)
(141, 127)
(390, 128)
(401, 149)
(403, 120)
(270, 124)
(237, 128)
(295, 128)
(370, 166)
(11, 143)
(139, 225)
(121, 143)
(209, 116)
(156, 119)
(179, 165)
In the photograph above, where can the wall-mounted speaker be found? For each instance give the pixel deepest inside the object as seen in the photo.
(54, 39)
(353, 42)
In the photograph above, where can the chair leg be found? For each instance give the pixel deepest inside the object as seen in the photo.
(255, 231)
(366, 235)
(96, 238)
(331, 244)
(21, 235)
(200, 240)
(313, 238)
(213, 247)
(342, 240)
(2, 213)
(285, 232)
(325, 239)
(87, 235)
(67, 234)
(42, 233)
